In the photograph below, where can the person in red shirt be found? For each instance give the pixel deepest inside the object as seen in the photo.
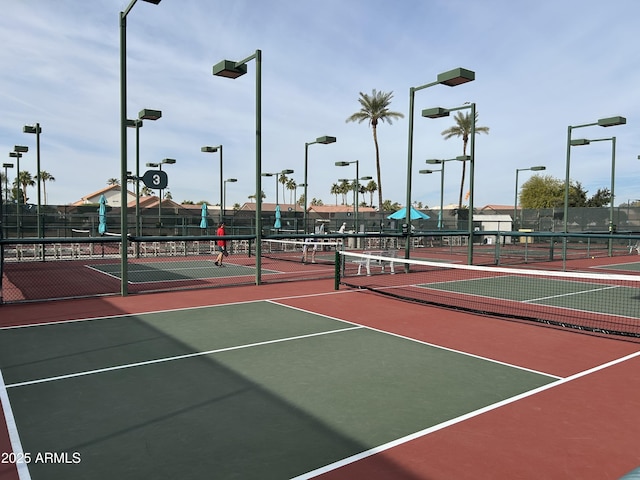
(221, 245)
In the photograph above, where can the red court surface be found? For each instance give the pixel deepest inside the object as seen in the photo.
(586, 425)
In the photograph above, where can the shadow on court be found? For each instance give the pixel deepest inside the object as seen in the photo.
(254, 390)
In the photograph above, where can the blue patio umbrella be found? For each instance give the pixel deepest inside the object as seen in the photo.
(102, 215)
(278, 223)
(203, 221)
(402, 214)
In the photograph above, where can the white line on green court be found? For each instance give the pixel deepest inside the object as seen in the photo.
(459, 352)
(169, 310)
(14, 436)
(591, 290)
(453, 421)
(178, 357)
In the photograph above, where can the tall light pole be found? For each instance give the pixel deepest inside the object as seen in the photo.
(325, 141)
(6, 166)
(450, 78)
(602, 122)
(124, 272)
(231, 69)
(437, 161)
(356, 190)
(427, 172)
(165, 161)
(439, 112)
(18, 150)
(35, 129)
(356, 228)
(537, 168)
(214, 150)
(224, 189)
(277, 175)
(584, 141)
(145, 114)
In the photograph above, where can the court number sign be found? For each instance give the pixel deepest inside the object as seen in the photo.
(155, 179)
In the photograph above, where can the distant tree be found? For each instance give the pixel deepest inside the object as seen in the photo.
(146, 191)
(291, 186)
(236, 206)
(316, 202)
(44, 178)
(462, 128)
(113, 181)
(548, 192)
(389, 206)
(187, 202)
(374, 108)
(25, 180)
(371, 187)
(601, 198)
(335, 190)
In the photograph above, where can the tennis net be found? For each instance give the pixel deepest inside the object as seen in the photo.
(596, 302)
(301, 250)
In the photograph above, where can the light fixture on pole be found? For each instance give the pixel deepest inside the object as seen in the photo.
(277, 176)
(145, 114)
(124, 267)
(356, 227)
(584, 141)
(437, 161)
(207, 149)
(230, 69)
(602, 122)
(224, 190)
(18, 150)
(537, 168)
(451, 78)
(326, 140)
(439, 112)
(35, 129)
(165, 161)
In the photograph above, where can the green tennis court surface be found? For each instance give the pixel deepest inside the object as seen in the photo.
(172, 271)
(584, 296)
(623, 267)
(252, 390)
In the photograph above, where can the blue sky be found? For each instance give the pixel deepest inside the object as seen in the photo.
(540, 66)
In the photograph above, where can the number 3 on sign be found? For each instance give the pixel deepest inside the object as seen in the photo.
(156, 179)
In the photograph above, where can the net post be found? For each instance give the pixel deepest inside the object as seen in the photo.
(336, 275)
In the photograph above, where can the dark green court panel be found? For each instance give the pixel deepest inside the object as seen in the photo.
(175, 271)
(585, 296)
(270, 411)
(623, 267)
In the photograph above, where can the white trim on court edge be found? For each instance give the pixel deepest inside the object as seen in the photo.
(453, 421)
(177, 357)
(14, 437)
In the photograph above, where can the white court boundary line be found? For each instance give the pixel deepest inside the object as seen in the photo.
(177, 357)
(433, 345)
(381, 448)
(14, 436)
(177, 309)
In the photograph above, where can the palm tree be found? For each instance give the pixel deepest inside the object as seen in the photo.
(291, 186)
(374, 109)
(283, 180)
(335, 190)
(113, 181)
(371, 187)
(44, 178)
(25, 180)
(462, 128)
